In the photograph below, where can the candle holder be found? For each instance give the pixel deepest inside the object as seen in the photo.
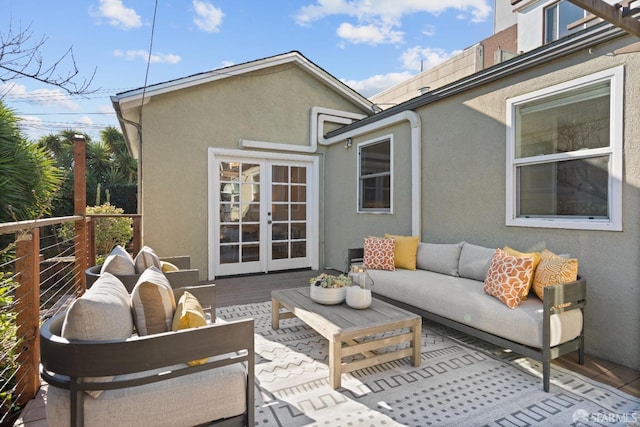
(359, 292)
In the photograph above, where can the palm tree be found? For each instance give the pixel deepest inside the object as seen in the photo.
(125, 163)
(28, 175)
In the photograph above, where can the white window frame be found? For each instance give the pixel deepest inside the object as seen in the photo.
(614, 222)
(360, 146)
(556, 24)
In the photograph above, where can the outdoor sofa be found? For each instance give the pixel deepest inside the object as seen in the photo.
(101, 370)
(447, 285)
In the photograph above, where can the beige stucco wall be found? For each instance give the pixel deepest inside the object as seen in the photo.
(178, 128)
(463, 195)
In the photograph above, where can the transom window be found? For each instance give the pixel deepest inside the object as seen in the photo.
(558, 16)
(564, 150)
(374, 176)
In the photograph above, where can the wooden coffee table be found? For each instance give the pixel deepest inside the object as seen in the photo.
(346, 327)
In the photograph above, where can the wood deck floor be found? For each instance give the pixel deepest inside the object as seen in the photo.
(257, 288)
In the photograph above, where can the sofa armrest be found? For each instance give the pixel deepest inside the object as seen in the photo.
(354, 255)
(63, 359)
(183, 262)
(567, 296)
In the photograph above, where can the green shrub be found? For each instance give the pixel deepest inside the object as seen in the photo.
(109, 231)
(8, 331)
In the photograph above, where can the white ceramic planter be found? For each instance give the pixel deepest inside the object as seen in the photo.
(358, 297)
(327, 296)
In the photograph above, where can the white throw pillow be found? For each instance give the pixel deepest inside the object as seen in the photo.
(153, 303)
(146, 258)
(119, 263)
(102, 313)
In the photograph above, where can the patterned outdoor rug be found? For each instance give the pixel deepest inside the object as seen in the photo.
(461, 382)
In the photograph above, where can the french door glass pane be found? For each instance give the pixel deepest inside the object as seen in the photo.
(279, 251)
(298, 249)
(239, 212)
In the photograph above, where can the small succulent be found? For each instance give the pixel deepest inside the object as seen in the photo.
(325, 280)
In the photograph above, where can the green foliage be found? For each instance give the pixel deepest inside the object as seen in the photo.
(109, 231)
(110, 167)
(9, 343)
(28, 175)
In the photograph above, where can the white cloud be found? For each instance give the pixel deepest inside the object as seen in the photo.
(118, 14)
(382, 17)
(369, 34)
(419, 58)
(377, 83)
(209, 17)
(43, 97)
(156, 58)
(429, 31)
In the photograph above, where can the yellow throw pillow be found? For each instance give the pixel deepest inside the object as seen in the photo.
(189, 314)
(536, 261)
(168, 267)
(507, 277)
(406, 251)
(379, 253)
(554, 270)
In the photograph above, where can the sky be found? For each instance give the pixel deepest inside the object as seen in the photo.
(370, 45)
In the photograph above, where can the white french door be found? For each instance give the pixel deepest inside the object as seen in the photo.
(263, 214)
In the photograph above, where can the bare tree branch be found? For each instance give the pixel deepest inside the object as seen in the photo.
(21, 56)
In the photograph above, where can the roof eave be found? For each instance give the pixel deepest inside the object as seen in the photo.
(597, 34)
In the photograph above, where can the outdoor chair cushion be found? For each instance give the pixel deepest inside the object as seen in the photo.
(119, 262)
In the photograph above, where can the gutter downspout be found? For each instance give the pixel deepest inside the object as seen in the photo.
(138, 128)
(416, 156)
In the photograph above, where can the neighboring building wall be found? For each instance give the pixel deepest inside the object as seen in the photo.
(463, 194)
(503, 16)
(500, 47)
(466, 63)
(493, 50)
(269, 105)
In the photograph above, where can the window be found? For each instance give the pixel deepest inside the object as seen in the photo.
(564, 155)
(558, 16)
(374, 176)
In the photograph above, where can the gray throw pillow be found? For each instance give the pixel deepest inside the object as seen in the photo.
(475, 261)
(439, 257)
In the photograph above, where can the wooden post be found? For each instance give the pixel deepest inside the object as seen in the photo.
(80, 208)
(28, 314)
(137, 235)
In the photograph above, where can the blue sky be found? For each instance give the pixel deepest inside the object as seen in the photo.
(368, 44)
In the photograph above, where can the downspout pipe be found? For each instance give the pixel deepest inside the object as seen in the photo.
(416, 155)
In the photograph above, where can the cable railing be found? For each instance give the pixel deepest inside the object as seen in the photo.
(40, 275)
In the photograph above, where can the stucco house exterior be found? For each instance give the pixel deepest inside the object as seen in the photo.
(275, 165)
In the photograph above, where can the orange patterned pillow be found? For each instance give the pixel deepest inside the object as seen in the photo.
(554, 270)
(379, 253)
(536, 261)
(508, 277)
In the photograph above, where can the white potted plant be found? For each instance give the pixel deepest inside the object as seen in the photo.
(329, 289)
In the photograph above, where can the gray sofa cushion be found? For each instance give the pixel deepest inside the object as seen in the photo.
(192, 399)
(475, 261)
(439, 257)
(464, 301)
